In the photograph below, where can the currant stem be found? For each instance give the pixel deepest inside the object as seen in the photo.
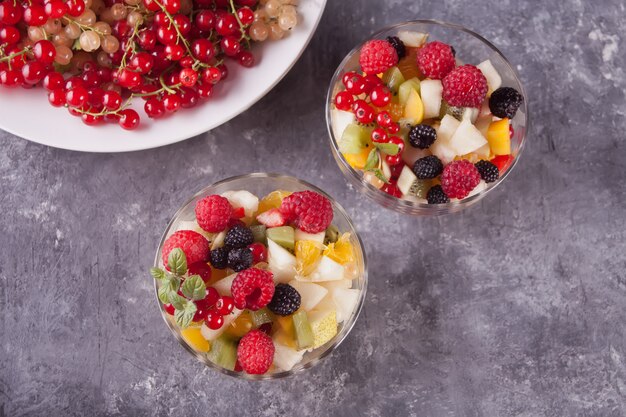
(130, 47)
(172, 22)
(241, 25)
(83, 28)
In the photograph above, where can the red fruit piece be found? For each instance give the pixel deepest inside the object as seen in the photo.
(435, 60)
(224, 305)
(503, 162)
(193, 244)
(259, 252)
(377, 56)
(213, 213)
(465, 86)
(459, 178)
(271, 218)
(202, 269)
(252, 289)
(311, 211)
(392, 189)
(255, 352)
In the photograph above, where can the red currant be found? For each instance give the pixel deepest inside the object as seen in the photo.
(201, 314)
(202, 49)
(11, 78)
(172, 6)
(154, 108)
(10, 13)
(226, 25)
(379, 135)
(355, 85)
(57, 97)
(393, 160)
(174, 51)
(393, 128)
(344, 100)
(205, 90)
(166, 34)
(53, 81)
(184, 24)
(363, 112)
(112, 100)
(384, 119)
(188, 97)
(128, 79)
(169, 309)
(214, 320)
(151, 5)
(371, 81)
(171, 103)
(35, 15)
(211, 75)
(245, 59)
(94, 98)
(259, 252)
(396, 170)
(380, 96)
(230, 45)
(75, 7)
(246, 15)
(392, 189)
(90, 119)
(224, 305)
(76, 97)
(9, 35)
(188, 77)
(397, 141)
(511, 131)
(129, 119)
(33, 72)
(224, 70)
(55, 9)
(205, 20)
(91, 79)
(147, 39)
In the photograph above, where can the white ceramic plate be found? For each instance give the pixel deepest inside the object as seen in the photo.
(26, 113)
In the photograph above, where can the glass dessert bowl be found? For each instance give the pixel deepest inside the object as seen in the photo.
(260, 276)
(426, 117)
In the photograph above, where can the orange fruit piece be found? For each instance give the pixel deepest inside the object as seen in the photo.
(308, 253)
(358, 160)
(341, 251)
(272, 200)
(408, 65)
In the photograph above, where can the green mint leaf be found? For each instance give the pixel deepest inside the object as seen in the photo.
(157, 273)
(372, 160)
(177, 261)
(173, 282)
(185, 316)
(194, 288)
(176, 300)
(163, 292)
(388, 148)
(379, 174)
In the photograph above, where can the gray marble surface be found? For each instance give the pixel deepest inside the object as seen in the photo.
(515, 307)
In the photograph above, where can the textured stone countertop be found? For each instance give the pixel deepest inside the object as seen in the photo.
(515, 307)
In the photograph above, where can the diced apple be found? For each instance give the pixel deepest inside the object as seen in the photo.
(481, 186)
(310, 294)
(414, 109)
(499, 137)
(285, 357)
(412, 39)
(223, 285)
(470, 113)
(315, 237)
(243, 198)
(281, 262)
(345, 300)
(406, 180)
(446, 129)
(482, 124)
(210, 334)
(431, 91)
(331, 285)
(483, 152)
(466, 138)
(327, 270)
(494, 81)
(340, 120)
(385, 168)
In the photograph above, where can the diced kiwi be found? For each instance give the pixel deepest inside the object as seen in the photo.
(258, 231)
(223, 352)
(332, 234)
(393, 78)
(283, 235)
(304, 333)
(261, 316)
(354, 138)
(405, 89)
(456, 112)
(420, 188)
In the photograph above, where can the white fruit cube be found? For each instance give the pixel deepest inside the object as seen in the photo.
(406, 180)
(218, 240)
(332, 285)
(345, 300)
(494, 81)
(243, 198)
(210, 334)
(315, 237)
(327, 270)
(281, 262)
(223, 285)
(285, 357)
(340, 120)
(481, 186)
(466, 138)
(470, 113)
(446, 129)
(310, 294)
(412, 39)
(431, 91)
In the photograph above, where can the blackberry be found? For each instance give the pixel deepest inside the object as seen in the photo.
(240, 259)
(504, 102)
(422, 136)
(428, 167)
(437, 196)
(286, 300)
(219, 258)
(397, 45)
(238, 237)
(488, 171)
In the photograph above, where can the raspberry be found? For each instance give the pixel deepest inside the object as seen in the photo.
(422, 136)
(504, 102)
(435, 60)
(238, 237)
(253, 289)
(465, 86)
(428, 167)
(311, 212)
(255, 352)
(377, 56)
(193, 244)
(459, 178)
(213, 213)
(437, 196)
(286, 300)
(488, 171)
(240, 259)
(219, 258)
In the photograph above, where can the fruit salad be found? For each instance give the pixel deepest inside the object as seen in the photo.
(254, 285)
(94, 57)
(420, 124)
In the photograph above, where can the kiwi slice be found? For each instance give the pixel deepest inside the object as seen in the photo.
(332, 234)
(261, 316)
(223, 352)
(405, 89)
(304, 333)
(354, 138)
(283, 235)
(393, 78)
(258, 231)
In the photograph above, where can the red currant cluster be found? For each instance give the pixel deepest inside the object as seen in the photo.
(171, 53)
(211, 309)
(371, 109)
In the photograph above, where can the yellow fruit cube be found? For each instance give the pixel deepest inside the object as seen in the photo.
(498, 137)
(358, 160)
(323, 325)
(414, 109)
(194, 338)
